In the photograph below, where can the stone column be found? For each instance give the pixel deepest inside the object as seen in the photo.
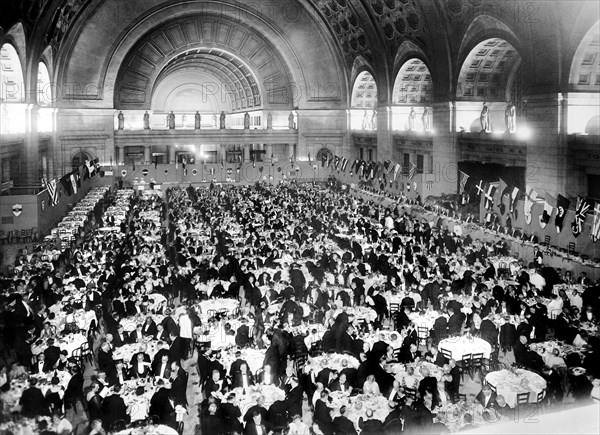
(445, 150)
(246, 152)
(268, 152)
(147, 154)
(384, 134)
(546, 144)
(31, 158)
(171, 155)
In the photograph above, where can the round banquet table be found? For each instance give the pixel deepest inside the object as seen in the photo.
(69, 343)
(247, 398)
(509, 383)
(159, 429)
(460, 347)
(399, 372)
(253, 357)
(127, 351)
(357, 406)
(332, 361)
(452, 415)
(217, 304)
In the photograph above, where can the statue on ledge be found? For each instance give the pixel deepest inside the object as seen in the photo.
(411, 119)
(510, 117)
(121, 119)
(291, 123)
(269, 121)
(425, 119)
(222, 121)
(484, 118)
(146, 121)
(246, 121)
(171, 120)
(197, 120)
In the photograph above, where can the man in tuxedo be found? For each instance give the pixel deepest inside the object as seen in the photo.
(323, 414)
(215, 383)
(105, 359)
(242, 378)
(371, 426)
(242, 335)
(162, 368)
(113, 408)
(178, 385)
(32, 401)
(177, 347)
(487, 397)
(121, 337)
(119, 375)
(169, 324)
(342, 425)
(452, 379)
(140, 368)
(136, 336)
(294, 397)
(235, 366)
(410, 354)
(52, 353)
(436, 357)
(256, 426)
(488, 330)
(41, 365)
(455, 322)
(160, 405)
(231, 414)
(340, 384)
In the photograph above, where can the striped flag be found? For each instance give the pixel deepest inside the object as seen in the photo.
(52, 191)
(462, 182)
(595, 233)
(545, 216)
(412, 171)
(344, 164)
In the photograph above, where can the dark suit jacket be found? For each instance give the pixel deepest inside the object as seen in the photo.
(489, 332)
(135, 337)
(242, 336)
(238, 380)
(343, 426)
(161, 406)
(250, 429)
(113, 409)
(323, 417)
(149, 329)
(235, 366)
(52, 354)
(33, 403)
(176, 350)
(455, 323)
(35, 368)
(371, 427)
(178, 389)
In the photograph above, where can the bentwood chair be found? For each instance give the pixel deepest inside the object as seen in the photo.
(522, 398)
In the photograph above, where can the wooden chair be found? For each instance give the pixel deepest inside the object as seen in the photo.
(522, 399)
(476, 364)
(396, 354)
(464, 365)
(423, 335)
(447, 354)
(571, 249)
(300, 362)
(394, 308)
(541, 395)
(410, 392)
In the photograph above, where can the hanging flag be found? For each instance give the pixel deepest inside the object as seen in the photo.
(413, 171)
(562, 205)
(595, 232)
(52, 191)
(336, 162)
(480, 189)
(548, 209)
(514, 195)
(90, 169)
(353, 166)
(502, 187)
(272, 160)
(462, 182)
(584, 206)
(73, 177)
(397, 168)
(344, 164)
(489, 195)
(531, 197)
(329, 160)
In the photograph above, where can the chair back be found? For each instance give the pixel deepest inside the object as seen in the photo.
(522, 398)
(447, 354)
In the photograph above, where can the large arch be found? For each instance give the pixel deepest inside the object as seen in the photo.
(286, 44)
(209, 43)
(584, 75)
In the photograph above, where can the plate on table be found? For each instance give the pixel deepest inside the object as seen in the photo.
(577, 371)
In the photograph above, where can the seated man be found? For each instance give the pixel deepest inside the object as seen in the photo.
(487, 397)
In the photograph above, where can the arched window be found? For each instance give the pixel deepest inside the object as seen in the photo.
(12, 94)
(78, 160)
(584, 85)
(413, 91)
(364, 103)
(490, 76)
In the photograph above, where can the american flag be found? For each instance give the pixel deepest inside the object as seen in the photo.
(52, 191)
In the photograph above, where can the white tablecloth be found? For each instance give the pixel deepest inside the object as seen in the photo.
(463, 346)
(509, 383)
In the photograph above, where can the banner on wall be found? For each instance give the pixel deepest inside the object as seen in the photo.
(17, 209)
(595, 232)
(584, 206)
(547, 213)
(562, 205)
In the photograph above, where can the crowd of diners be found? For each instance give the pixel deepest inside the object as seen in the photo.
(327, 260)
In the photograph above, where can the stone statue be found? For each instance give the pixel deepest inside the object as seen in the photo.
(171, 120)
(269, 121)
(146, 121)
(197, 119)
(121, 119)
(291, 124)
(374, 120)
(222, 121)
(365, 121)
(484, 118)
(425, 119)
(246, 121)
(411, 119)
(510, 117)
